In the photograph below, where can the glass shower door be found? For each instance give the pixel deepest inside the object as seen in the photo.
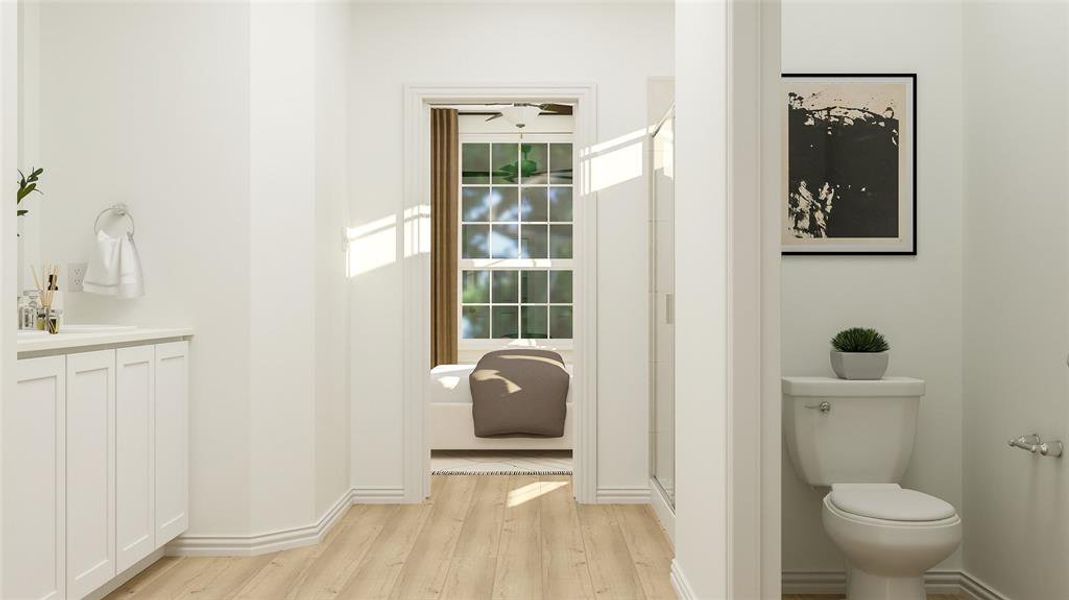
(662, 313)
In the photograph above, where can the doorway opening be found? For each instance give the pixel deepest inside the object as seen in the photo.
(503, 270)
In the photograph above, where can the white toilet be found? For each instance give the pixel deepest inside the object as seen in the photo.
(856, 437)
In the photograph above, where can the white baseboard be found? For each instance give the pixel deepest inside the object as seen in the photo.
(814, 582)
(662, 508)
(623, 495)
(378, 495)
(935, 582)
(942, 582)
(680, 583)
(974, 589)
(262, 543)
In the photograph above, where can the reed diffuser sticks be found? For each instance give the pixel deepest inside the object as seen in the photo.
(48, 295)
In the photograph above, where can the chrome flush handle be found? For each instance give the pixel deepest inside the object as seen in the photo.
(824, 407)
(1028, 442)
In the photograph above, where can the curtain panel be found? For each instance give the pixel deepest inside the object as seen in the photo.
(445, 170)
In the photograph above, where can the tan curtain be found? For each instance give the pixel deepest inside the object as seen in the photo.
(445, 170)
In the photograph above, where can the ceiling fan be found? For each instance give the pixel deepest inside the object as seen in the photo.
(520, 113)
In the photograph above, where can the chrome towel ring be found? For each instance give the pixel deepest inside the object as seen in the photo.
(119, 210)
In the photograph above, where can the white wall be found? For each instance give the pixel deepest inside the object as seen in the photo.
(915, 301)
(282, 286)
(332, 289)
(148, 104)
(222, 126)
(727, 271)
(615, 46)
(1016, 294)
(701, 270)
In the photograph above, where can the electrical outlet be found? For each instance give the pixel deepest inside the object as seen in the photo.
(76, 275)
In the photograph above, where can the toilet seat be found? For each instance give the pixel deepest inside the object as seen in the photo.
(889, 502)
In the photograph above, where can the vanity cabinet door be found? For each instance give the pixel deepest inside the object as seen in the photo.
(135, 397)
(90, 471)
(172, 423)
(33, 481)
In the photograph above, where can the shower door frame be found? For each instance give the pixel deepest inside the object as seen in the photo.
(415, 208)
(663, 506)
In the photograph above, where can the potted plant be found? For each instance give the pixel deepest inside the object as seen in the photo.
(27, 186)
(859, 353)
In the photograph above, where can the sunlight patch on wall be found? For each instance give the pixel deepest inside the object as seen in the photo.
(372, 245)
(417, 221)
(615, 161)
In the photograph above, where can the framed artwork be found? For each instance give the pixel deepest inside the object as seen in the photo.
(849, 164)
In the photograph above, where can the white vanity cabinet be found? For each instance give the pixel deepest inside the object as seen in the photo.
(90, 471)
(34, 472)
(94, 466)
(135, 441)
(172, 423)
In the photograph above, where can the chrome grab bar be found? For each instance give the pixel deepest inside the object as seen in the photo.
(1035, 444)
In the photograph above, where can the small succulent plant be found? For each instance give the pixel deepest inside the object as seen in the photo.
(859, 339)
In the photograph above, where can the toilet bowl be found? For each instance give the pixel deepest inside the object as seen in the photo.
(890, 537)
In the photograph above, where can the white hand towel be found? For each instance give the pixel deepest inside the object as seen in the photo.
(115, 269)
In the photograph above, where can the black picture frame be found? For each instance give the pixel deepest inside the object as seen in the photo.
(909, 124)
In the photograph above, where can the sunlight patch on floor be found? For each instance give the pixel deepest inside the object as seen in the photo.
(531, 491)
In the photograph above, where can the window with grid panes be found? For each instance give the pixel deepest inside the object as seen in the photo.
(516, 231)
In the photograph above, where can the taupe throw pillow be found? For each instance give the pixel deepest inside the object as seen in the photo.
(519, 392)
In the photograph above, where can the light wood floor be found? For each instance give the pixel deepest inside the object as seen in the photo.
(492, 537)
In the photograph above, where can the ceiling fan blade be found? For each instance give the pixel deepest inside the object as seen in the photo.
(558, 109)
(494, 116)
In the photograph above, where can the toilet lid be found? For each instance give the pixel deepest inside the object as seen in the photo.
(888, 501)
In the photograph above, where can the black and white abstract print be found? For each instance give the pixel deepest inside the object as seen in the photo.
(845, 162)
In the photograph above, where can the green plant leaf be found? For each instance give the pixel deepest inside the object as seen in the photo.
(859, 339)
(25, 191)
(22, 212)
(28, 184)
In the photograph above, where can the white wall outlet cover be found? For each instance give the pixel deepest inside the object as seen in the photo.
(76, 275)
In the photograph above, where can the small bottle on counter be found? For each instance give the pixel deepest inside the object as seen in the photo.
(29, 306)
(23, 301)
(52, 317)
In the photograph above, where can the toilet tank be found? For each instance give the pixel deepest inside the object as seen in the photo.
(850, 431)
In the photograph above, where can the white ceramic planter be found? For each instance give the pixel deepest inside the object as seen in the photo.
(859, 365)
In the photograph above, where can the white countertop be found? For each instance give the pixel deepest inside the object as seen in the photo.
(72, 340)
